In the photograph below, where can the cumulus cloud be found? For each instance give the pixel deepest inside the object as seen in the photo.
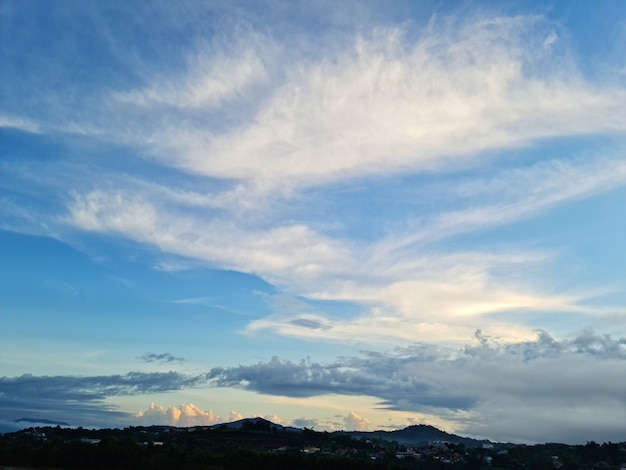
(183, 415)
(317, 424)
(350, 422)
(355, 423)
(274, 419)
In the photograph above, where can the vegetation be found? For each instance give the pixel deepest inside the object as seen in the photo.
(260, 446)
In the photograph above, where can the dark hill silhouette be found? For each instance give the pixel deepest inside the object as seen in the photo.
(255, 423)
(40, 421)
(419, 434)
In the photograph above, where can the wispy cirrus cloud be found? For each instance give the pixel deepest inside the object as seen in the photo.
(18, 123)
(397, 282)
(521, 194)
(381, 104)
(385, 101)
(221, 70)
(389, 102)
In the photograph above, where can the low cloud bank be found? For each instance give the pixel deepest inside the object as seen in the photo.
(499, 391)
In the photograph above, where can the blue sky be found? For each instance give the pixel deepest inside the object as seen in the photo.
(354, 216)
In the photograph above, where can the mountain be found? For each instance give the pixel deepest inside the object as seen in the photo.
(418, 435)
(257, 424)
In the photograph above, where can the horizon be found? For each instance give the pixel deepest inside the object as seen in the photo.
(364, 216)
(256, 419)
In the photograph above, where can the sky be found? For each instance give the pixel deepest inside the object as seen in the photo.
(334, 215)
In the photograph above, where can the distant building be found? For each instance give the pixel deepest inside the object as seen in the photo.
(90, 441)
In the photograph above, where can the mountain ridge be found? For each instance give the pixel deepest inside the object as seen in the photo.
(418, 434)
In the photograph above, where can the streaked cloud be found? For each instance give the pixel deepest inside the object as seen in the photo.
(94, 389)
(163, 358)
(392, 276)
(18, 123)
(210, 78)
(390, 102)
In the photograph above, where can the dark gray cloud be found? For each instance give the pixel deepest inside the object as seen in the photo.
(576, 388)
(545, 346)
(422, 377)
(373, 375)
(81, 400)
(308, 323)
(93, 389)
(163, 358)
(547, 389)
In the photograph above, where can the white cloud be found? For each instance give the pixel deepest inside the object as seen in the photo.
(102, 211)
(355, 423)
(274, 419)
(21, 124)
(390, 104)
(294, 249)
(217, 72)
(398, 283)
(318, 424)
(263, 125)
(388, 101)
(526, 192)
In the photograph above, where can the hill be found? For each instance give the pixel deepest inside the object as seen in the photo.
(417, 435)
(258, 423)
(260, 444)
